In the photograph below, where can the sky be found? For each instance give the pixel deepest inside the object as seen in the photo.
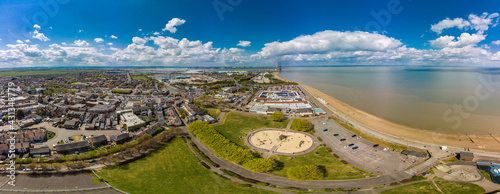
(44, 33)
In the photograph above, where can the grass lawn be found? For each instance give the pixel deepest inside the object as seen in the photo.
(50, 135)
(140, 77)
(214, 112)
(486, 175)
(77, 138)
(335, 169)
(236, 125)
(451, 159)
(446, 187)
(171, 169)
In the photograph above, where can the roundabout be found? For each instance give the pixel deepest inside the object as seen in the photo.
(279, 141)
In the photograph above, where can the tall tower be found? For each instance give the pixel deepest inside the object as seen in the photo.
(278, 65)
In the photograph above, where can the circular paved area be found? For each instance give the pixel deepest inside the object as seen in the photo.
(279, 141)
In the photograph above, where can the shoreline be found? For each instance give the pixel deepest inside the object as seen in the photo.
(367, 122)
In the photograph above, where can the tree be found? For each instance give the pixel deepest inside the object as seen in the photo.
(301, 125)
(262, 165)
(277, 116)
(306, 172)
(20, 113)
(56, 166)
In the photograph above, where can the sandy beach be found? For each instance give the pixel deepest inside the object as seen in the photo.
(480, 142)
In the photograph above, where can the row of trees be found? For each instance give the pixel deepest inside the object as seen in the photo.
(263, 165)
(306, 172)
(301, 125)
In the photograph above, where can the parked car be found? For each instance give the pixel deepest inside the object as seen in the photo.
(350, 144)
(325, 129)
(355, 147)
(324, 123)
(353, 135)
(359, 137)
(346, 147)
(343, 139)
(336, 134)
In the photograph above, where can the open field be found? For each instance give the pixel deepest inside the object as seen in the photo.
(171, 169)
(214, 112)
(236, 126)
(335, 169)
(8, 73)
(446, 187)
(140, 77)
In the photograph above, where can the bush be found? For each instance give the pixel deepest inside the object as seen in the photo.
(307, 172)
(218, 143)
(261, 165)
(301, 125)
(277, 116)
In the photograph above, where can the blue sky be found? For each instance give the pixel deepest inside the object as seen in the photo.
(127, 32)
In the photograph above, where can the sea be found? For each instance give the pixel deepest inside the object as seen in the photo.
(455, 100)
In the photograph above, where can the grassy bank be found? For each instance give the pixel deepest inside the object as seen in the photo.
(172, 169)
(333, 167)
(236, 125)
(213, 112)
(428, 187)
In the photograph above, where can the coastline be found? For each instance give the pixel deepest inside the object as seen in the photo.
(391, 130)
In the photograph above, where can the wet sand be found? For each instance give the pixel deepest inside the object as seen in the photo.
(482, 142)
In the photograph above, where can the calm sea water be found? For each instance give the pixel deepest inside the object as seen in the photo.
(448, 100)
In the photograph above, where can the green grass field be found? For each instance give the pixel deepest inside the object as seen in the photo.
(8, 73)
(428, 187)
(214, 112)
(335, 169)
(486, 175)
(236, 125)
(140, 77)
(172, 169)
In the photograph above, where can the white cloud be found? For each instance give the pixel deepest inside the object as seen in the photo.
(138, 40)
(164, 42)
(327, 41)
(170, 26)
(38, 35)
(98, 40)
(27, 40)
(447, 23)
(110, 43)
(140, 30)
(156, 33)
(465, 39)
(482, 23)
(79, 31)
(19, 42)
(64, 43)
(113, 37)
(81, 43)
(479, 23)
(244, 43)
(496, 42)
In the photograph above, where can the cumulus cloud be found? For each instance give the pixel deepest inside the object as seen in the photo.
(465, 39)
(140, 30)
(79, 31)
(156, 33)
(81, 43)
(479, 23)
(113, 37)
(98, 40)
(27, 40)
(496, 42)
(244, 43)
(447, 23)
(19, 42)
(170, 26)
(110, 43)
(327, 41)
(38, 35)
(138, 40)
